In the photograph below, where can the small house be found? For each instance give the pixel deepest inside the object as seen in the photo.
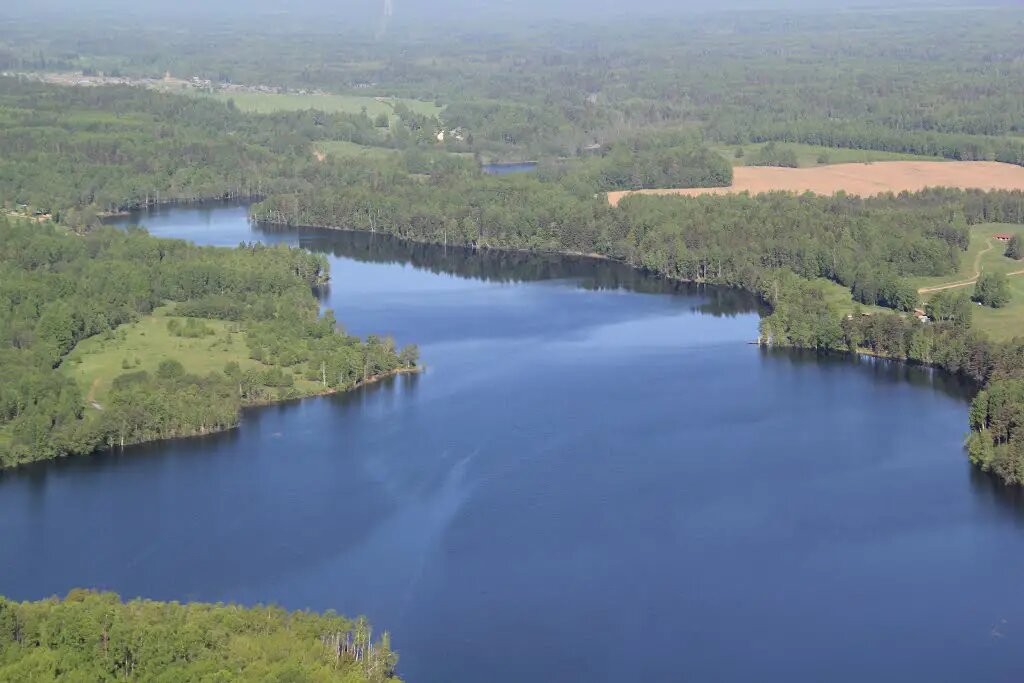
(1003, 237)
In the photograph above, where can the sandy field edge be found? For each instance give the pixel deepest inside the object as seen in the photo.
(862, 180)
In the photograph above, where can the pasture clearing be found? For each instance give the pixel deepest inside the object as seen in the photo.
(97, 361)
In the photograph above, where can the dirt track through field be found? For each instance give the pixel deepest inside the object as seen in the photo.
(977, 274)
(862, 180)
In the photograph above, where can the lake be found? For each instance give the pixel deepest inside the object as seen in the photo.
(508, 168)
(596, 478)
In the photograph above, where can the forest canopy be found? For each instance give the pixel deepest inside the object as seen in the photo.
(91, 636)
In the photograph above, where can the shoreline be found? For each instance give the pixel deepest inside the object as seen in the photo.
(266, 403)
(641, 269)
(375, 379)
(156, 204)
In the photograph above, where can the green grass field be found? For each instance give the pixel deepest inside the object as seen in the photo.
(807, 155)
(841, 299)
(142, 345)
(1006, 322)
(266, 103)
(349, 150)
(985, 254)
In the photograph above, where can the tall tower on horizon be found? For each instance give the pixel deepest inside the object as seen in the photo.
(389, 8)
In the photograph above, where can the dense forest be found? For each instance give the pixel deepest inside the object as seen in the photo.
(940, 81)
(57, 289)
(76, 154)
(91, 636)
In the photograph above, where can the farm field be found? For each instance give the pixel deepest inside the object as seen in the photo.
(808, 155)
(96, 362)
(985, 254)
(266, 103)
(859, 179)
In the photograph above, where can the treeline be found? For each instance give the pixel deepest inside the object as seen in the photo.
(57, 289)
(663, 160)
(91, 636)
(774, 155)
(524, 91)
(866, 135)
(869, 245)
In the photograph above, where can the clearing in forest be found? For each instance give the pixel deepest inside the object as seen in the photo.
(97, 361)
(267, 103)
(986, 254)
(859, 179)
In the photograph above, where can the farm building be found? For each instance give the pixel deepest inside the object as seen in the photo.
(1003, 237)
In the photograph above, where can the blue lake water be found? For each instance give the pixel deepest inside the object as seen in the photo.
(597, 478)
(508, 168)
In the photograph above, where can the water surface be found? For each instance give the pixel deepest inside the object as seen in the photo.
(508, 168)
(597, 478)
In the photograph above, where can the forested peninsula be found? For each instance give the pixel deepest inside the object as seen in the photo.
(91, 636)
(252, 307)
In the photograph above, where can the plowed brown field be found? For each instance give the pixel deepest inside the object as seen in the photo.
(860, 179)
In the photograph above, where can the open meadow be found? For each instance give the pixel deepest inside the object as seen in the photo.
(986, 254)
(144, 344)
(267, 103)
(342, 149)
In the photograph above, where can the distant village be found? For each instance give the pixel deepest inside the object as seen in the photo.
(168, 82)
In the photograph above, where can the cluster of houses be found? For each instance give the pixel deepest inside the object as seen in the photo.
(452, 134)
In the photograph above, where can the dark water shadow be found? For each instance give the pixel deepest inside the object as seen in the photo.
(990, 492)
(506, 266)
(880, 369)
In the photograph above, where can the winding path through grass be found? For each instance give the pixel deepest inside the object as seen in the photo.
(964, 283)
(977, 273)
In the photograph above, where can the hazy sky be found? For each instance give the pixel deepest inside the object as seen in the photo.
(452, 9)
(365, 16)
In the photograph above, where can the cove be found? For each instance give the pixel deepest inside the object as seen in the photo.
(596, 478)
